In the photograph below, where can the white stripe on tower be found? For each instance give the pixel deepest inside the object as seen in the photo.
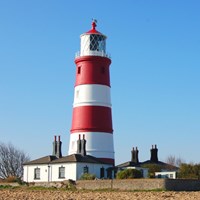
(92, 94)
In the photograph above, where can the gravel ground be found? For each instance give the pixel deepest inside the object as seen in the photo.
(24, 194)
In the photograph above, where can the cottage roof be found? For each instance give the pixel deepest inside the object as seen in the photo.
(43, 160)
(142, 164)
(163, 165)
(128, 164)
(66, 159)
(77, 158)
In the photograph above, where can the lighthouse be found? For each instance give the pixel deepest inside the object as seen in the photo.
(92, 113)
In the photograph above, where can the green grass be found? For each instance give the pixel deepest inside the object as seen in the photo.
(8, 187)
(42, 188)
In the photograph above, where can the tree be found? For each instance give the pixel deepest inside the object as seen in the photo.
(11, 161)
(172, 160)
(189, 171)
(152, 168)
(129, 173)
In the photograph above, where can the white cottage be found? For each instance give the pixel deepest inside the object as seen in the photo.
(57, 168)
(167, 170)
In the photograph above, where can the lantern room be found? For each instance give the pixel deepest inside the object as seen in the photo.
(93, 43)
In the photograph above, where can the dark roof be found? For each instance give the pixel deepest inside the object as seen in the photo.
(142, 164)
(77, 158)
(161, 164)
(65, 159)
(128, 164)
(43, 160)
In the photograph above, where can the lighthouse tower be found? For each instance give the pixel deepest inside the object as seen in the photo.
(92, 116)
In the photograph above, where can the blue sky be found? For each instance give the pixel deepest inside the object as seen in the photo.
(155, 50)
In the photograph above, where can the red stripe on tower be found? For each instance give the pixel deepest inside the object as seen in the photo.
(87, 74)
(91, 118)
(92, 115)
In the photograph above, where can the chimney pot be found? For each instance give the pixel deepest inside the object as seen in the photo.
(79, 144)
(54, 146)
(83, 146)
(134, 156)
(154, 155)
(59, 148)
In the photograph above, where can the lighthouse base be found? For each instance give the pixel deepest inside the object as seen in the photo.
(98, 144)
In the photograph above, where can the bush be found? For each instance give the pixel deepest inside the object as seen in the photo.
(129, 173)
(189, 171)
(152, 168)
(10, 179)
(87, 176)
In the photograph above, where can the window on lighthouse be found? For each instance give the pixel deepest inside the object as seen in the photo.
(77, 94)
(79, 70)
(97, 42)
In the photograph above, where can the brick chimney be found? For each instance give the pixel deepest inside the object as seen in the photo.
(134, 155)
(59, 148)
(79, 144)
(54, 146)
(83, 146)
(154, 154)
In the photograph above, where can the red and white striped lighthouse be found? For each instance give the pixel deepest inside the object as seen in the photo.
(92, 116)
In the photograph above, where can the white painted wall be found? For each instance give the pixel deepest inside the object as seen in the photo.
(166, 174)
(98, 144)
(50, 172)
(29, 173)
(92, 94)
(92, 169)
(70, 171)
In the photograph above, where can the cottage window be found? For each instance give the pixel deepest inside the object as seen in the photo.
(109, 174)
(102, 172)
(171, 176)
(37, 173)
(61, 172)
(85, 169)
(142, 172)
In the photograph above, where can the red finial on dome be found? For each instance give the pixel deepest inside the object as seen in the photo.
(94, 24)
(93, 30)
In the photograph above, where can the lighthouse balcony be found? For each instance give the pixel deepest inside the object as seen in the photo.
(92, 53)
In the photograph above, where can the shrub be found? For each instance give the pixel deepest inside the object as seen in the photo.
(87, 176)
(10, 179)
(189, 171)
(129, 173)
(152, 168)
